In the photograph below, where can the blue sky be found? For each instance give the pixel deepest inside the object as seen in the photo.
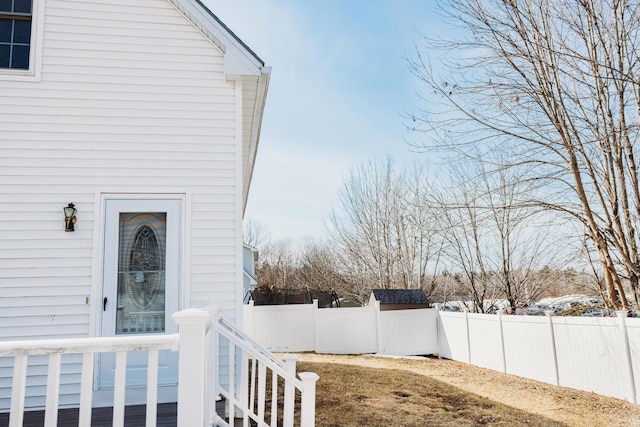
(339, 87)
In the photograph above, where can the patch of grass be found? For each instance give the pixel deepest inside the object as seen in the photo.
(350, 395)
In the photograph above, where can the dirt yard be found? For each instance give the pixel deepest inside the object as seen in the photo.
(557, 406)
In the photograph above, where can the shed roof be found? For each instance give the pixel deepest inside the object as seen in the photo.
(400, 296)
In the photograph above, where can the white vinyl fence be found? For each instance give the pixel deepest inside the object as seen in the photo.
(601, 355)
(355, 330)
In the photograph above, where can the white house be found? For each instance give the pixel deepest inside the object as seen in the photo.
(146, 117)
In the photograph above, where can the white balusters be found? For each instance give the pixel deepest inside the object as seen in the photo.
(86, 390)
(262, 389)
(289, 390)
(152, 388)
(119, 389)
(53, 391)
(18, 391)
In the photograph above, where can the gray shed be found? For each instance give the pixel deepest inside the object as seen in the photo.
(399, 299)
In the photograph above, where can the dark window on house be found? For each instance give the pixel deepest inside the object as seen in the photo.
(15, 33)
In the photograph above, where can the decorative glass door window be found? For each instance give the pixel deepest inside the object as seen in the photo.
(141, 273)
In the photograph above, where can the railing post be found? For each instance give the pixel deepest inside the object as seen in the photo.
(289, 390)
(192, 372)
(308, 403)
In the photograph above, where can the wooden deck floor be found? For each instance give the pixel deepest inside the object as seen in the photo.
(134, 416)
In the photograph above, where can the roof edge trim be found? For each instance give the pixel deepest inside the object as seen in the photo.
(231, 33)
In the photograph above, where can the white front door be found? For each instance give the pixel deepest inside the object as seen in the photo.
(141, 281)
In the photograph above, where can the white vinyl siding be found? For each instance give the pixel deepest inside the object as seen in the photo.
(132, 99)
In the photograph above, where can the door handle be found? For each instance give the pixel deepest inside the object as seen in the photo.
(104, 304)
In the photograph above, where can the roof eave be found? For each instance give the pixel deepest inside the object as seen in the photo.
(254, 137)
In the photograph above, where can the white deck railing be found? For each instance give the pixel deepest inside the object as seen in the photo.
(256, 365)
(88, 347)
(202, 336)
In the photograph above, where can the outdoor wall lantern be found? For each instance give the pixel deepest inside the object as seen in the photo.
(69, 217)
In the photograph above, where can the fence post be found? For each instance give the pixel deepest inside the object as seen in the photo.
(289, 390)
(503, 354)
(554, 351)
(249, 313)
(438, 307)
(622, 315)
(192, 361)
(308, 403)
(316, 326)
(466, 321)
(380, 348)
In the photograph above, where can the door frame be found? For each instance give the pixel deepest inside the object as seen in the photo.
(97, 278)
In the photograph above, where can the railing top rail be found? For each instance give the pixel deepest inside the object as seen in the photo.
(89, 345)
(257, 351)
(223, 325)
(230, 328)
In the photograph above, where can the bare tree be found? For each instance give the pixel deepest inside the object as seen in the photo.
(462, 222)
(382, 231)
(322, 269)
(498, 243)
(255, 233)
(555, 85)
(278, 265)
(526, 239)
